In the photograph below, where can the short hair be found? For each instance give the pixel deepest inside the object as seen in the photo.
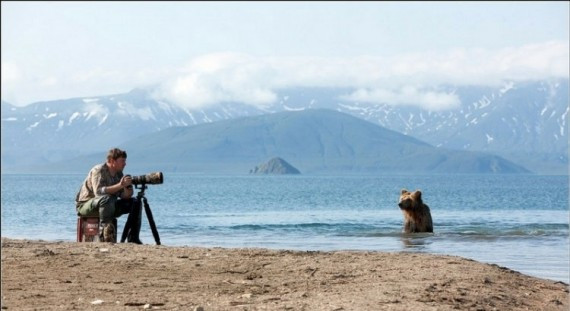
(116, 153)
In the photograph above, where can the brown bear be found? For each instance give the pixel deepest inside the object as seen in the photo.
(417, 217)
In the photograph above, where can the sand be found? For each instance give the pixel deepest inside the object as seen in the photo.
(41, 275)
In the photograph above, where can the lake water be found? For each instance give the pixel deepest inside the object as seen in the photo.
(520, 222)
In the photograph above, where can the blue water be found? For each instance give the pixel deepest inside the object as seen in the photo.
(520, 222)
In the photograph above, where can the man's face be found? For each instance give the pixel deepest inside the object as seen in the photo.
(119, 164)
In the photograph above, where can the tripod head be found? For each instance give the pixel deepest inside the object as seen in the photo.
(141, 188)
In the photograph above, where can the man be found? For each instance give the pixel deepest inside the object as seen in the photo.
(107, 193)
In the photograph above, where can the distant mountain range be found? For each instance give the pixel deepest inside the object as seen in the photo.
(526, 123)
(316, 141)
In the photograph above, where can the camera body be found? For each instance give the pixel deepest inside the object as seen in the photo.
(148, 179)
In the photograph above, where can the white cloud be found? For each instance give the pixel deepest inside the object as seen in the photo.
(21, 87)
(11, 78)
(407, 95)
(48, 82)
(255, 80)
(551, 58)
(221, 77)
(129, 109)
(10, 73)
(399, 80)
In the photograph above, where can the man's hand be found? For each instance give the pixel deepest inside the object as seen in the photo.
(127, 184)
(126, 181)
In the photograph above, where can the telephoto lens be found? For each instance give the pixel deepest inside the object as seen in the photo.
(148, 179)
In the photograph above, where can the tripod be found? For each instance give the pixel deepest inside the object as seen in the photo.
(135, 217)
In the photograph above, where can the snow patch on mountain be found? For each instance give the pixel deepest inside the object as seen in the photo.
(144, 113)
(74, 116)
(33, 126)
(287, 108)
(93, 109)
(514, 119)
(102, 120)
(507, 87)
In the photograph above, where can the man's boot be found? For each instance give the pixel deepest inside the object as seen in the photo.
(106, 209)
(108, 232)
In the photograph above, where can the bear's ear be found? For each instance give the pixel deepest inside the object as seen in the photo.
(404, 191)
(417, 195)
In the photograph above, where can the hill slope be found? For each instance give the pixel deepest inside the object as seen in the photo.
(317, 141)
(524, 122)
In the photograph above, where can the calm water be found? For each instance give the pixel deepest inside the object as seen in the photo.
(520, 222)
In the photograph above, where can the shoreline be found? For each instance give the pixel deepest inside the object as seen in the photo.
(546, 268)
(40, 274)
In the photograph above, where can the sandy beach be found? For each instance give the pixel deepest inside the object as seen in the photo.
(41, 275)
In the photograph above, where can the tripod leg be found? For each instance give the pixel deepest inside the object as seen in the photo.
(127, 228)
(151, 221)
(136, 225)
(133, 225)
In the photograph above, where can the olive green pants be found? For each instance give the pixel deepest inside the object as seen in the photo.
(106, 207)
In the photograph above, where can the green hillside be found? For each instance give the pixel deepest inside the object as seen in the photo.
(314, 141)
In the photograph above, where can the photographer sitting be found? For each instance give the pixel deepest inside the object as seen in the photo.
(108, 194)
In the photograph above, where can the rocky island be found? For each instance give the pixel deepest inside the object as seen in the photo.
(275, 166)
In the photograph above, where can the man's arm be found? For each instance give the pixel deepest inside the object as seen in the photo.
(102, 190)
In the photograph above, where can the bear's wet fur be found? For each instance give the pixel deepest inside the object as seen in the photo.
(417, 216)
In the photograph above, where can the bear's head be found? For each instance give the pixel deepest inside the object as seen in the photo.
(409, 200)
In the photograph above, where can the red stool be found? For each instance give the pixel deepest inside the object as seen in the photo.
(88, 229)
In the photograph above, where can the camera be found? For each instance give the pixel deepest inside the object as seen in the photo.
(151, 178)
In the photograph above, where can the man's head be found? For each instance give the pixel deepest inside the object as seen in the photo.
(117, 159)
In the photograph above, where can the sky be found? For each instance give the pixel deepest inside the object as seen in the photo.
(200, 53)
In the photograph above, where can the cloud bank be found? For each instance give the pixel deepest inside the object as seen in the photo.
(398, 80)
(405, 79)
(407, 95)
